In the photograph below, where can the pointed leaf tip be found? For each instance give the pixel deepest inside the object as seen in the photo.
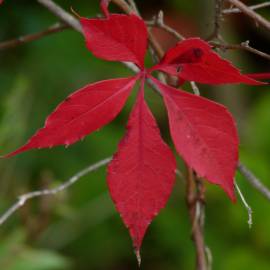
(83, 112)
(138, 257)
(260, 76)
(142, 173)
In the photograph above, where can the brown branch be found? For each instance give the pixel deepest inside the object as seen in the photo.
(243, 46)
(122, 5)
(158, 21)
(217, 20)
(58, 27)
(133, 5)
(252, 14)
(237, 10)
(254, 181)
(193, 201)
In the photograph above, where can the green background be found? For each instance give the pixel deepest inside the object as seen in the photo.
(79, 228)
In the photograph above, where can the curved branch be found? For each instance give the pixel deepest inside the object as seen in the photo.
(254, 181)
(237, 10)
(58, 27)
(45, 192)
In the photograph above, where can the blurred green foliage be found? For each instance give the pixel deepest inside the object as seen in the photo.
(79, 228)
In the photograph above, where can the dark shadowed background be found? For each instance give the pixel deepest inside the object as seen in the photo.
(79, 228)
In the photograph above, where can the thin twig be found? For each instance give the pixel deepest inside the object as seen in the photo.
(254, 181)
(209, 257)
(217, 20)
(243, 46)
(122, 4)
(31, 37)
(158, 21)
(133, 6)
(237, 10)
(62, 14)
(251, 13)
(45, 192)
(246, 205)
(195, 88)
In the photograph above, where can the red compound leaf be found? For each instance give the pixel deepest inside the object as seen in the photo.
(117, 38)
(204, 134)
(194, 60)
(141, 174)
(83, 112)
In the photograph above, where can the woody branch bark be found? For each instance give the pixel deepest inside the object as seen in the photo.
(251, 13)
(254, 7)
(194, 197)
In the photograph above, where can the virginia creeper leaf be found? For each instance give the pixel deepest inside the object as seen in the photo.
(142, 172)
(81, 113)
(194, 60)
(117, 38)
(204, 134)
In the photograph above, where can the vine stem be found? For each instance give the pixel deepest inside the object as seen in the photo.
(193, 201)
(254, 181)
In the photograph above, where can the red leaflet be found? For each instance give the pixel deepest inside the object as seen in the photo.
(141, 174)
(117, 38)
(194, 60)
(204, 134)
(83, 112)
